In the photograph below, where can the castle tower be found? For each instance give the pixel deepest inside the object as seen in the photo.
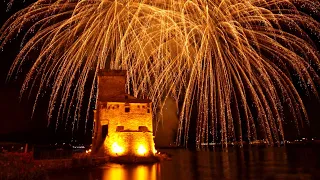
(123, 123)
(111, 83)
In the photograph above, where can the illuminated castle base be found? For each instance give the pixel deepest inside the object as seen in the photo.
(123, 123)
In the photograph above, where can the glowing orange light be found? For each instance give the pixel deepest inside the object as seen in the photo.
(141, 150)
(116, 148)
(88, 151)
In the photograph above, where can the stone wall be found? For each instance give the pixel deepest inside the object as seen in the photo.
(130, 143)
(113, 113)
(129, 137)
(111, 83)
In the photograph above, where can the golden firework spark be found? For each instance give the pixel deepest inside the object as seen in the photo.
(233, 58)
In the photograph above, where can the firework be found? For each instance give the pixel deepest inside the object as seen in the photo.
(233, 62)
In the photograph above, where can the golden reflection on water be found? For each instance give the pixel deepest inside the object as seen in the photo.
(248, 163)
(127, 172)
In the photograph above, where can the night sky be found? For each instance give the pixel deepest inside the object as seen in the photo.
(15, 120)
(15, 114)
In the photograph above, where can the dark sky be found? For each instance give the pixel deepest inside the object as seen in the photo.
(11, 109)
(16, 123)
(16, 113)
(15, 119)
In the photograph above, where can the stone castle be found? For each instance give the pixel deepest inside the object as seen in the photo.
(122, 123)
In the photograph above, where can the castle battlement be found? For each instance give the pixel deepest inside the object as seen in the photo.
(103, 72)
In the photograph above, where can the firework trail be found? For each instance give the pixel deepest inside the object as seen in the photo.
(233, 62)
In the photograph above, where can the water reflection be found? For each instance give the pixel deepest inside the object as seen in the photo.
(236, 163)
(231, 163)
(131, 172)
